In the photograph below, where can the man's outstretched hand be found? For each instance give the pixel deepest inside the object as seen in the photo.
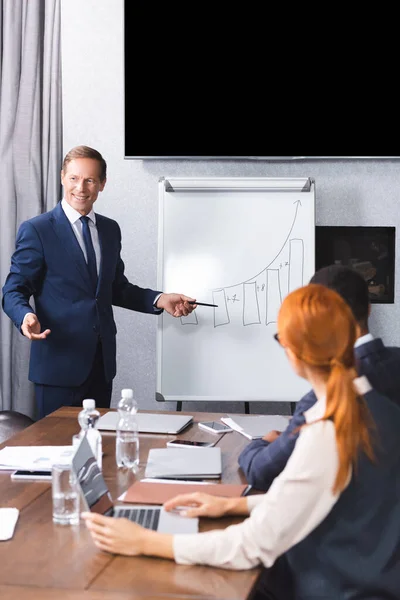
(176, 305)
(31, 328)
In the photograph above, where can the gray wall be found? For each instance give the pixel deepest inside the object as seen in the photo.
(347, 192)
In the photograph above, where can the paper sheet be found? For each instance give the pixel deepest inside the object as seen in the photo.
(8, 520)
(33, 458)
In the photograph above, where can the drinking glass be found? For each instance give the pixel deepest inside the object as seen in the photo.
(65, 495)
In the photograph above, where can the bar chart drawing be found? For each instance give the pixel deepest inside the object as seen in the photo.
(241, 244)
(262, 294)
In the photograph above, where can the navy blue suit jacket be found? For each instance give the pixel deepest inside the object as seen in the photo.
(49, 265)
(262, 461)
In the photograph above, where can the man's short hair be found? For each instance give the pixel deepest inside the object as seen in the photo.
(349, 284)
(86, 152)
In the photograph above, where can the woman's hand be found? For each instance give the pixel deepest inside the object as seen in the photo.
(200, 505)
(118, 536)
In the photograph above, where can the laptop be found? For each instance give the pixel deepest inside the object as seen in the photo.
(97, 498)
(148, 423)
(184, 463)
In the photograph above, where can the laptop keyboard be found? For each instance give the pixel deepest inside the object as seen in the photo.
(147, 517)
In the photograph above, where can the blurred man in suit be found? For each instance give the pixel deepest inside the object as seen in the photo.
(263, 460)
(69, 261)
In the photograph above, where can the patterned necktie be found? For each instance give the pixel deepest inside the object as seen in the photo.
(90, 253)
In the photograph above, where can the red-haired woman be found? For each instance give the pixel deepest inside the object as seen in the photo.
(329, 526)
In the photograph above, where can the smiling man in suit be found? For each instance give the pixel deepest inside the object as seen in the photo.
(263, 460)
(69, 261)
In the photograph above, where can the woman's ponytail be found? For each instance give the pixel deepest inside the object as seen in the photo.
(349, 413)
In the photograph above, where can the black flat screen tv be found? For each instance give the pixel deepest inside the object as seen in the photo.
(203, 84)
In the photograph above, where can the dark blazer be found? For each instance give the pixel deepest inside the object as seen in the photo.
(262, 461)
(355, 552)
(49, 265)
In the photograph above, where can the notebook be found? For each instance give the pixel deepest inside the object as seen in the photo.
(149, 492)
(184, 463)
(97, 498)
(148, 423)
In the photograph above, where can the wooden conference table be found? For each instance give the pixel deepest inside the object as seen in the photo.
(46, 561)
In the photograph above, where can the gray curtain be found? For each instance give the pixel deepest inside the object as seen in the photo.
(30, 155)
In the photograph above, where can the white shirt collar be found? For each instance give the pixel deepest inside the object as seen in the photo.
(317, 411)
(72, 215)
(362, 385)
(364, 339)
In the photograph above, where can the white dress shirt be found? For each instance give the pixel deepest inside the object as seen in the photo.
(73, 217)
(296, 503)
(363, 339)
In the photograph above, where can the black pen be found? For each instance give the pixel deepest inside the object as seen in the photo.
(202, 303)
(181, 480)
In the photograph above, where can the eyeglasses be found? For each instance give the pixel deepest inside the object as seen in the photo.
(276, 337)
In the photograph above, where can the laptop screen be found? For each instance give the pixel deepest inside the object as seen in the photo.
(91, 481)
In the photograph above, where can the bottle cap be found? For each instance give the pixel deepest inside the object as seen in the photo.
(89, 404)
(127, 393)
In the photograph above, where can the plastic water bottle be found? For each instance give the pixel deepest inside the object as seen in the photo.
(127, 436)
(88, 418)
